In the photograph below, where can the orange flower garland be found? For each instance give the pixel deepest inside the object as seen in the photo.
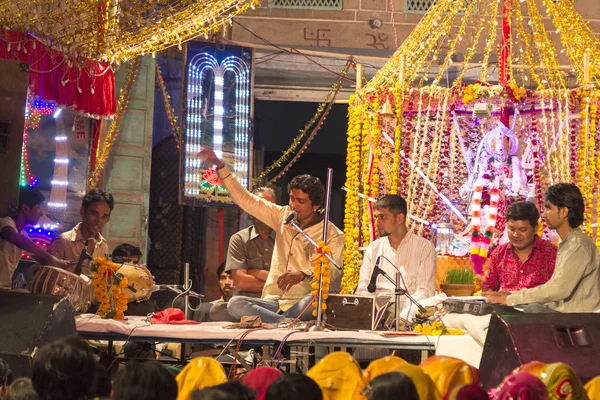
(321, 266)
(108, 289)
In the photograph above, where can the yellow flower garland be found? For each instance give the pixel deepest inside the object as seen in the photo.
(436, 328)
(108, 289)
(321, 266)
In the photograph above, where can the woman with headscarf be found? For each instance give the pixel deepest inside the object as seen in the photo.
(391, 386)
(339, 376)
(521, 386)
(382, 366)
(560, 380)
(449, 372)
(201, 372)
(423, 383)
(260, 379)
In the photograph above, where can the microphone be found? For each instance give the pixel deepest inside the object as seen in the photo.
(291, 216)
(82, 257)
(376, 271)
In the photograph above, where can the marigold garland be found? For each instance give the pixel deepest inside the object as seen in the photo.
(108, 289)
(436, 328)
(321, 267)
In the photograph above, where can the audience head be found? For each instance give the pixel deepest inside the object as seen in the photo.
(449, 372)
(201, 372)
(95, 210)
(294, 387)
(232, 390)
(144, 380)
(30, 204)
(102, 386)
(306, 196)
(391, 386)
(423, 383)
(126, 253)
(64, 370)
(22, 389)
(564, 205)
(390, 214)
(381, 366)
(339, 376)
(225, 281)
(522, 223)
(260, 379)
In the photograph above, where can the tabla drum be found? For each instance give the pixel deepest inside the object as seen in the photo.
(60, 282)
(139, 279)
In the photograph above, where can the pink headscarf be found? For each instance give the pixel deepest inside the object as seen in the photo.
(260, 379)
(522, 386)
(470, 391)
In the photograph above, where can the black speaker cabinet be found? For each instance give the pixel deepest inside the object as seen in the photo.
(28, 321)
(514, 340)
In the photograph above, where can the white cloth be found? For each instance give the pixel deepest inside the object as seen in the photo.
(9, 254)
(416, 260)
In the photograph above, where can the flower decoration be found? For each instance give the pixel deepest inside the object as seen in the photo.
(321, 266)
(436, 328)
(480, 243)
(108, 289)
(212, 177)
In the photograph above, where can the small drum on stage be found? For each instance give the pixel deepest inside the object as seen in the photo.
(60, 282)
(140, 279)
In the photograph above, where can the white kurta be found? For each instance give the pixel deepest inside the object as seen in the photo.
(416, 260)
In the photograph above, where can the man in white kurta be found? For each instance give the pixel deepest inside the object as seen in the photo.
(397, 247)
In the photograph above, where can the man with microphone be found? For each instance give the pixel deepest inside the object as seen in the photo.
(287, 291)
(398, 250)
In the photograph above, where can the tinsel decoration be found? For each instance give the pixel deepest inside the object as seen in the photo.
(168, 108)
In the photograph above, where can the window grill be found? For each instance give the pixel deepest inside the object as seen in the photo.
(307, 4)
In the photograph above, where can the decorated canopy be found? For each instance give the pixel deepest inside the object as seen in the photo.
(117, 31)
(485, 103)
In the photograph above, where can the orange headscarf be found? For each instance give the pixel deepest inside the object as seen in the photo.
(201, 372)
(382, 366)
(339, 376)
(423, 383)
(593, 388)
(449, 372)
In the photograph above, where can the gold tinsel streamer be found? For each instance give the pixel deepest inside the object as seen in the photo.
(113, 130)
(115, 31)
(168, 108)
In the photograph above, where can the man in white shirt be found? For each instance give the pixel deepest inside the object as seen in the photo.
(397, 247)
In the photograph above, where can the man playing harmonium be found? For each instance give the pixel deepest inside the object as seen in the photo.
(398, 249)
(287, 291)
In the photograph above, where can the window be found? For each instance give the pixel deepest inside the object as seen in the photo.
(307, 4)
(417, 6)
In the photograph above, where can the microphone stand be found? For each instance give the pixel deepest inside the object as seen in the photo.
(319, 326)
(399, 293)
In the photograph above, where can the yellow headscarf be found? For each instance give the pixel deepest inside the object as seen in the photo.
(423, 383)
(449, 372)
(382, 366)
(562, 382)
(593, 388)
(339, 377)
(201, 372)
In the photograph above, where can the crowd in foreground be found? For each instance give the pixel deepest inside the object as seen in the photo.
(68, 370)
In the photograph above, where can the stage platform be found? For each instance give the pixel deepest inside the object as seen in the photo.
(213, 333)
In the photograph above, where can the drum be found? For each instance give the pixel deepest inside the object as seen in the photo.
(139, 279)
(60, 282)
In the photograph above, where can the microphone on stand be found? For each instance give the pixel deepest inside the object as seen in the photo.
(291, 217)
(376, 271)
(82, 257)
(400, 291)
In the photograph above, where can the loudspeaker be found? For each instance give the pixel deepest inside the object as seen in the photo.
(29, 321)
(514, 340)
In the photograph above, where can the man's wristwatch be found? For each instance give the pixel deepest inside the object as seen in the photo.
(307, 276)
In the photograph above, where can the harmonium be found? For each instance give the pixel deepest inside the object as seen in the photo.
(356, 312)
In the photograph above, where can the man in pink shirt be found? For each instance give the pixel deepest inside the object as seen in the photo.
(527, 260)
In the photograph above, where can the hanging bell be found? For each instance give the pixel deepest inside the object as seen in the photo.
(386, 110)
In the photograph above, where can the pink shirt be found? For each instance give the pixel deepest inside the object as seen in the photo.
(507, 273)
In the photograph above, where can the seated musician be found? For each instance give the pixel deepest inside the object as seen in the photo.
(527, 260)
(287, 291)
(139, 277)
(250, 252)
(14, 239)
(397, 247)
(575, 283)
(95, 213)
